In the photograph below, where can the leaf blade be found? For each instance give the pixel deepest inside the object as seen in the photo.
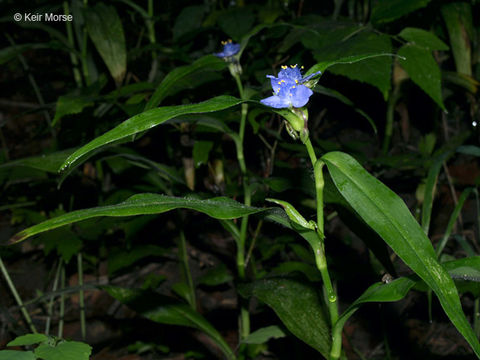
(148, 120)
(388, 215)
(206, 63)
(142, 204)
(106, 31)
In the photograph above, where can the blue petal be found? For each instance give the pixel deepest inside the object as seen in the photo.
(276, 102)
(275, 84)
(300, 96)
(290, 73)
(231, 49)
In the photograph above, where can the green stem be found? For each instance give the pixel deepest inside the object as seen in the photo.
(86, 74)
(19, 301)
(50, 304)
(476, 317)
(239, 85)
(320, 258)
(336, 349)
(319, 185)
(151, 36)
(247, 199)
(62, 303)
(394, 95)
(151, 28)
(311, 152)
(81, 295)
(73, 56)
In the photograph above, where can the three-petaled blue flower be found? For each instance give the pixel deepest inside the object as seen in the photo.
(288, 89)
(229, 49)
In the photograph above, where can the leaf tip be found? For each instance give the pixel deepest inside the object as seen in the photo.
(19, 237)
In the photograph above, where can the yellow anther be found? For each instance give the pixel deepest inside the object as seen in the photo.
(284, 67)
(229, 40)
(296, 81)
(302, 67)
(279, 83)
(293, 66)
(224, 43)
(293, 87)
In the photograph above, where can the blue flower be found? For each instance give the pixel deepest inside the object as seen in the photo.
(229, 49)
(288, 90)
(287, 93)
(292, 73)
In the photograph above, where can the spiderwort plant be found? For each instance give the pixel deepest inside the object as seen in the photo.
(291, 91)
(231, 54)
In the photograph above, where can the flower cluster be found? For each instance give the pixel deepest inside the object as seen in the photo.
(289, 89)
(229, 49)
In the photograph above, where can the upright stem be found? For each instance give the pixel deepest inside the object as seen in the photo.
(73, 56)
(151, 36)
(19, 301)
(62, 302)
(244, 315)
(476, 315)
(81, 295)
(390, 116)
(86, 74)
(320, 258)
(50, 304)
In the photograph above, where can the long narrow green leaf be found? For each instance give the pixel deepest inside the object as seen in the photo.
(388, 215)
(141, 204)
(106, 30)
(429, 192)
(441, 156)
(323, 65)
(161, 309)
(466, 273)
(48, 163)
(458, 18)
(453, 219)
(262, 335)
(379, 292)
(148, 120)
(206, 63)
